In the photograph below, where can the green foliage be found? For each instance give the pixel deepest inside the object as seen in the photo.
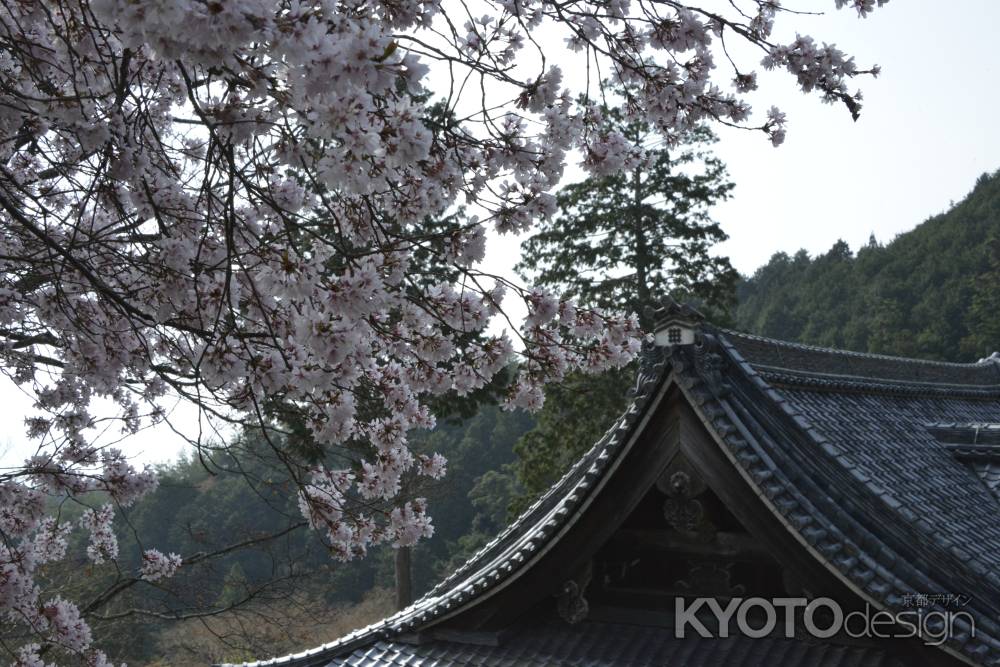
(984, 313)
(621, 242)
(575, 415)
(932, 292)
(234, 587)
(463, 505)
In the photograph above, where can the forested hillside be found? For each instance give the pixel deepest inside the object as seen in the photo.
(931, 292)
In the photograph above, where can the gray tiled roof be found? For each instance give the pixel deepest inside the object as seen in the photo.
(990, 474)
(836, 443)
(765, 353)
(590, 644)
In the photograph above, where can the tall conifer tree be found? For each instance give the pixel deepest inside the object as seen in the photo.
(624, 240)
(621, 242)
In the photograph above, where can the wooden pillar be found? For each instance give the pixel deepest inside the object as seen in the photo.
(404, 578)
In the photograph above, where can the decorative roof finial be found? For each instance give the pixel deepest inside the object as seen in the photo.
(675, 323)
(994, 358)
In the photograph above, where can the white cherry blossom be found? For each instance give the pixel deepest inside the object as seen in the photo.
(239, 204)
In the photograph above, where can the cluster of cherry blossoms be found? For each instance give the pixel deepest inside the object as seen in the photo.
(324, 502)
(31, 541)
(156, 565)
(246, 213)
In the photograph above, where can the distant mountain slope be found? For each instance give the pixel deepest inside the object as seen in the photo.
(932, 292)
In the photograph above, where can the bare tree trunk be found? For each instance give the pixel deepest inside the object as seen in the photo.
(404, 580)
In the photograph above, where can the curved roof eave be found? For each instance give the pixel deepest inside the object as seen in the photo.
(511, 552)
(858, 558)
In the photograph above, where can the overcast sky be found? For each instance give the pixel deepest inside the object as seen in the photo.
(928, 129)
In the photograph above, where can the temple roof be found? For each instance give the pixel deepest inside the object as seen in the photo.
(590, 644)
(855, 455)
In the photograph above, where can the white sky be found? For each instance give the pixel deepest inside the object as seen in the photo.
(928, 129)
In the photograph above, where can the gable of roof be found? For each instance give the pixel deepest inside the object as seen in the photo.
(835, 445)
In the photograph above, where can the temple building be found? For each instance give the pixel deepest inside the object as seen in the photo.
(759, 503)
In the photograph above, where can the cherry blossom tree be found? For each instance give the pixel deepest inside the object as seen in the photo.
(222, 200)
